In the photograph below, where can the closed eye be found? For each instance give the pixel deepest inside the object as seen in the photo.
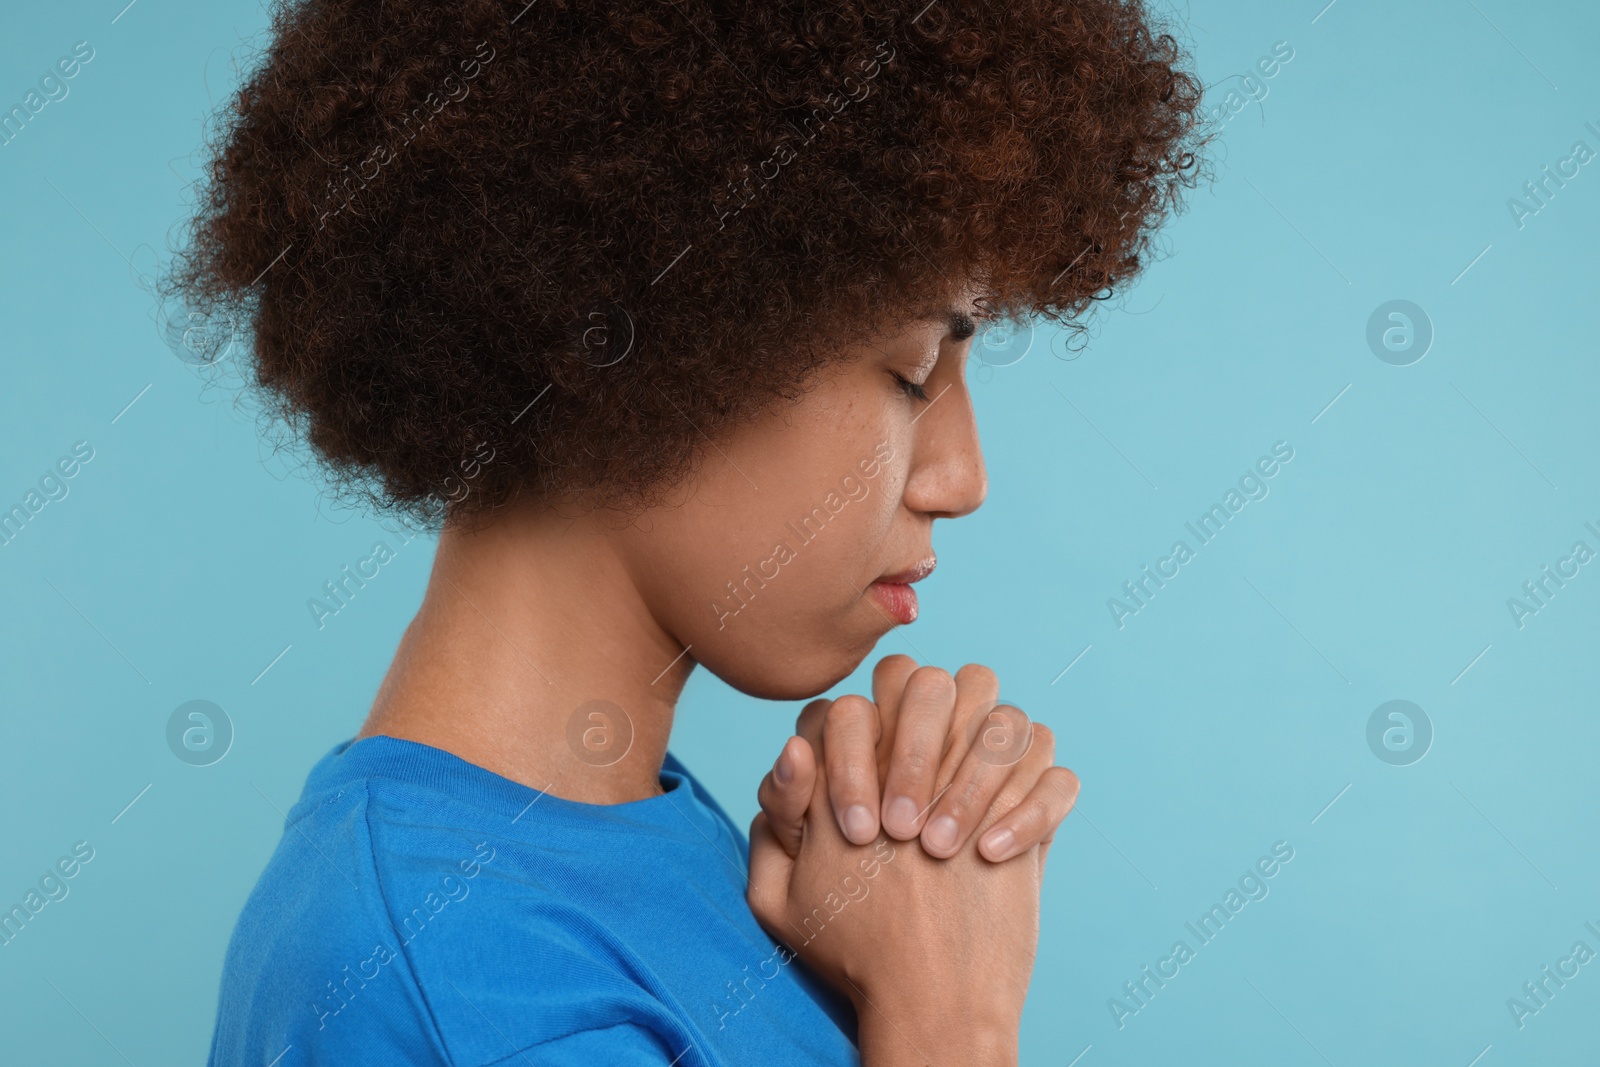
(911, 388)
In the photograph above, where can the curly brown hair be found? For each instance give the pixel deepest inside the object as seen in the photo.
(484, 248)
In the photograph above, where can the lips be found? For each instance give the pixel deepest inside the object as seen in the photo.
(914, 573)
(894, 594)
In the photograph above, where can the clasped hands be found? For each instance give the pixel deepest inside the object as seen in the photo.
(940, 948)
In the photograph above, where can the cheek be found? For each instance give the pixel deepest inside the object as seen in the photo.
(765, 601)
(739, 573)
(763, 564)
(789, 558)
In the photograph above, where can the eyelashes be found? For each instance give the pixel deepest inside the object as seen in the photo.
(910, 388)
(962, 327)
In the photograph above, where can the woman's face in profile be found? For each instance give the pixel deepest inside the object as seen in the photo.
(765, 564)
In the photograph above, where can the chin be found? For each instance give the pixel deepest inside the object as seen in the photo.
(791, 673)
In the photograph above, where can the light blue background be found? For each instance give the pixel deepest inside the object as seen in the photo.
(1225, 716)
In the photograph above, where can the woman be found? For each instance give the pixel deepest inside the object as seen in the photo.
(660, 312)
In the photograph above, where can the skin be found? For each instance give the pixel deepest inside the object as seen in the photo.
(924, 976)
(798, 857)
(532, 617)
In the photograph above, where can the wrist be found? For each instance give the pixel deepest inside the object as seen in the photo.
(929, 1033)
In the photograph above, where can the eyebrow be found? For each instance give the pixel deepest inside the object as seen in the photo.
(962, 323)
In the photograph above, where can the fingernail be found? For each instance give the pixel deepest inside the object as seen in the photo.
(941, 833)
(783, 770)
(996, 843)
(902, 813)
(858, 825)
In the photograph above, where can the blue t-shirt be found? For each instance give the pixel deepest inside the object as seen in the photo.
(421, 909)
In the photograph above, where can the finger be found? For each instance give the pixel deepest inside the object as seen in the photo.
(770, 869)
(922, 730)
(977, 692)
(785, 793)
(812, 725)
(1033, 821)
(850, 732)
(977, 783)
(1037, 746)
(1038, 754)
(808, 724)
(888, 683)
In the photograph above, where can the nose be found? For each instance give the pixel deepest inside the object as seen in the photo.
(947, 478)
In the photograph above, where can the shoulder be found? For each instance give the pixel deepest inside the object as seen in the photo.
(312, 962)
(392, 920)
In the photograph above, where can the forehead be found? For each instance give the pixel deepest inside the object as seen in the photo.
(945, 310)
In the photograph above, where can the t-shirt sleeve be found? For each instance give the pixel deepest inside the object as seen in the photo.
(623, 1045)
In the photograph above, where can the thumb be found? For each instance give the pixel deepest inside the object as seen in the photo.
(767, 892)
(785, 793)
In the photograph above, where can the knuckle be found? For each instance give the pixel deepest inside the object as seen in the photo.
(915, 760)
(1042, 741)
(967, 796)
(847, 711)
(847, 774)
(977, 674)
(1032, 815)
(932, 679)
(1065, 782)
(1009, 799)
(760, 899)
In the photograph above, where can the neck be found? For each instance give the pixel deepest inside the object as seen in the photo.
(524, 621)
